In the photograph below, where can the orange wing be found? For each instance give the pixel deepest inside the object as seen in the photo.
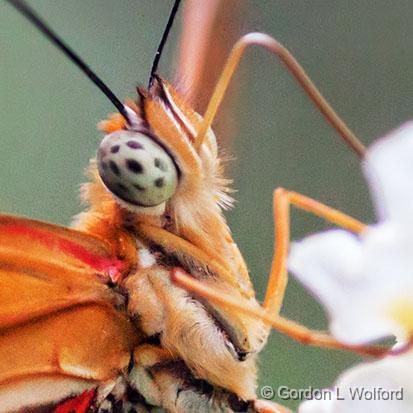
(60, 331)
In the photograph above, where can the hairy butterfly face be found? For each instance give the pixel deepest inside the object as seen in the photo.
(136, 169)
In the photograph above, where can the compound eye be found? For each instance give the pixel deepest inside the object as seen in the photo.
(136, 169)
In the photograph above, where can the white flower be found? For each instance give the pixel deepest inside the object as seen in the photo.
(366, 282)
(381, 386)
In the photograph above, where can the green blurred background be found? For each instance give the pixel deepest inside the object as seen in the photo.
(360, 54)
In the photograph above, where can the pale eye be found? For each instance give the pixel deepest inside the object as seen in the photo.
(136, 169)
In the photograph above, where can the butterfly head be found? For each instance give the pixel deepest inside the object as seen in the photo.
(152, 159)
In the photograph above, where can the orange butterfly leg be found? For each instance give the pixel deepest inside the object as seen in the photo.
(174, 244)
(282, 200)
(288, 327)
(276, 48)
(279, 275)
(265, 406)
(278, 279)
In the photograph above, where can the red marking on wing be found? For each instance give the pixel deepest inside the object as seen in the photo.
(79, 404)
(111, 266)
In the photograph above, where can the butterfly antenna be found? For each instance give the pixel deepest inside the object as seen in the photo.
(30, 14)
(162, 43)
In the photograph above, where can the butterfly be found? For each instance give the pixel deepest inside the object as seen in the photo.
(102, 299)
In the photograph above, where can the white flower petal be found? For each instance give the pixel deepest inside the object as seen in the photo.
(364, 387)
(366, 282)
(389, 169)
(328, 264)
(387, 262)
(392, 374)
(318, 256)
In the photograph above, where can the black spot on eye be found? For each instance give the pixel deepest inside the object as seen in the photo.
(134, 145)
(139, 187)
(160, 164)
(122, 187)
(104, 166)
(134, 166)
(160, 182)
(114, 168)
(115, 148)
